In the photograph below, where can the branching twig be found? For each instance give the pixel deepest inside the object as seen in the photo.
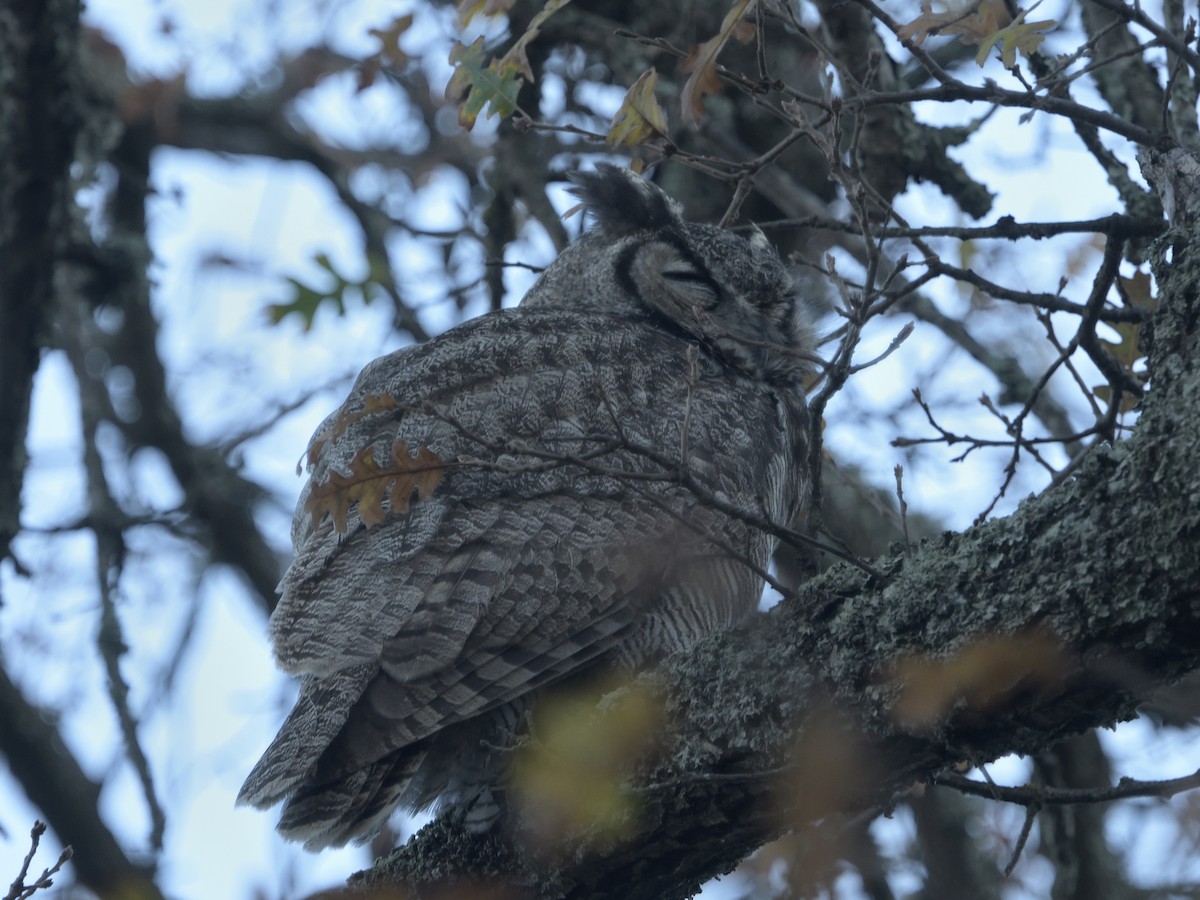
(1036, 795)
(19, 890)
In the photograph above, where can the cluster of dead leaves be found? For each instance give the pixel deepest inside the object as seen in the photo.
(369, 482)
(983, 24)
(480, 80)
(641, 118)
(485, 84)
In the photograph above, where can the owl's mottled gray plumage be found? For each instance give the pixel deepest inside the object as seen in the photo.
(560, 537)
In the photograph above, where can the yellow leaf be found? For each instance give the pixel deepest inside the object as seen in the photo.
(701, 62)
(551, 7)
(469, 9)
(640, 117)
(570, 774)
(516, 56)
(1019, 35)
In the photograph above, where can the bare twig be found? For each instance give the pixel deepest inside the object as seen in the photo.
(19, 890)
(1037, 795)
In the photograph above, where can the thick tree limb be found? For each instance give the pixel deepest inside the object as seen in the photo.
(39, 123)
(1058, 619)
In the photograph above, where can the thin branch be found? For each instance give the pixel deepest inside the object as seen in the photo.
(19, 890)
(1134, 13)
(1037, 795)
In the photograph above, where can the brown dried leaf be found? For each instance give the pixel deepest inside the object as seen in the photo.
(1129, 350)
(372, 404)
(1136, 289)
(369, 483)
(976, 678)
(701, 61)
(971, 25)
(1104, 393)
(389, 52)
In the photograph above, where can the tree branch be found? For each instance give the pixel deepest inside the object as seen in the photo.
(41, 121)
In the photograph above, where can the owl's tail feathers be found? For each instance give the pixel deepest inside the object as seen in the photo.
(354, 806)
(319, 714)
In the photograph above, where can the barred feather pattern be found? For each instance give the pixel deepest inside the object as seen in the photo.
(563, 536)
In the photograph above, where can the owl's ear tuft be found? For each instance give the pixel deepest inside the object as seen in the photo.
(622, 202)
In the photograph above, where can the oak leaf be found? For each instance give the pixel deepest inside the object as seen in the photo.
(370, 483)
(478, 82)
(984, 24)
(572, 775)
(372, 404)
(1136, 291)
(975, 678)
(1018, 35)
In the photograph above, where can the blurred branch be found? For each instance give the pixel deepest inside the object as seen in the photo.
(41, 123)
(1073, 837)
(956, 864)
(217, 495)
(107, 522)
(1134, 13)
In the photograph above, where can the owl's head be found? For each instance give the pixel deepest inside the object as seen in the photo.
(731, 293)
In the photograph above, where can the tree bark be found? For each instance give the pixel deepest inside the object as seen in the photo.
(39, 123)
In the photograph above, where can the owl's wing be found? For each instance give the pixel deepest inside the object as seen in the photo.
(547, 533)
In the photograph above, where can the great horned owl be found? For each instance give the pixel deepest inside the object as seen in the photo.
(574, 484)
